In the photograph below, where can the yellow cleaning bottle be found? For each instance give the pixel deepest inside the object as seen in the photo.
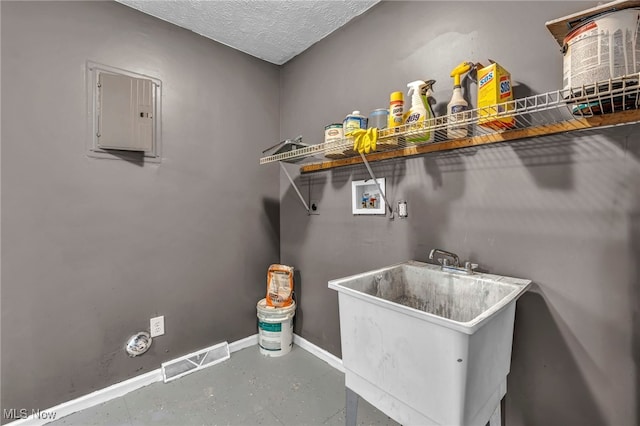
(396, 109)
(419, 116)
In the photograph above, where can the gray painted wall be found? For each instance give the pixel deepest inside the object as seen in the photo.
(94, 248)
(563, 211)
(85, 240)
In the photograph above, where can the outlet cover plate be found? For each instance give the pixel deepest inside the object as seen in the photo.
(157, 326)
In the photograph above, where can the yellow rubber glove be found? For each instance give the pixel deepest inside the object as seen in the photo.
(358, 145)
(364, 141)
(373, 137)
(365, 144)
(357, 136)
(369, 140)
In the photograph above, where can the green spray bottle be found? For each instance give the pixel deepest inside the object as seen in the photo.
(420, 113)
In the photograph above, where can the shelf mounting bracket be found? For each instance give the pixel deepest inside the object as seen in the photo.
(306, 206)
(384, 197)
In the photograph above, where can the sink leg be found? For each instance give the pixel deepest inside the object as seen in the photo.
(352, 408)
(496, 418)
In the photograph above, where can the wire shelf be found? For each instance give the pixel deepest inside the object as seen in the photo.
(552, 112)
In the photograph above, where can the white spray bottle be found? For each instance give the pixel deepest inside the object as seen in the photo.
(418, 113)
(458, 105)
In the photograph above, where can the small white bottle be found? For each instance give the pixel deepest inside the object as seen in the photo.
(455, 110)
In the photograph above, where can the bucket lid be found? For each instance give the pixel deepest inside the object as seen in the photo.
(590, 22)
(272, 310)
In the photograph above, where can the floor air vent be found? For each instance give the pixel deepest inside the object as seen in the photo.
(195, 361)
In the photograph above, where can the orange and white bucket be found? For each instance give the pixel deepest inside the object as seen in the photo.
(275, 328)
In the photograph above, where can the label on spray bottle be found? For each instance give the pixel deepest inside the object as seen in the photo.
(458, 114)
(456, 109)
(414, 118)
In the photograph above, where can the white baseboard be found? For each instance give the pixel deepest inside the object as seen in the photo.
(243, 343)
(327, 357)
(120, 389)
(90, 400)
(114, 391)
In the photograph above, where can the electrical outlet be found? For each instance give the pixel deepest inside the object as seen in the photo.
(157, 326)
(402, 209)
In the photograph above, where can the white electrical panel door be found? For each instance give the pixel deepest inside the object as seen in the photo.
(125, 115)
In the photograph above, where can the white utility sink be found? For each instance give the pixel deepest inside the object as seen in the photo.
(427, 346)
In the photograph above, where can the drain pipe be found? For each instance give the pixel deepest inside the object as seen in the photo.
(366, 163)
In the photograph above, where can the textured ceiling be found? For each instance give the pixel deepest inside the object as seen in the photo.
(275, 31)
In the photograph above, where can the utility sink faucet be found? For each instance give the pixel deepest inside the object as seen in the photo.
(444, 257)
(443, 260)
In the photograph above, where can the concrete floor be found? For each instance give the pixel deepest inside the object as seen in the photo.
(248, 389)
